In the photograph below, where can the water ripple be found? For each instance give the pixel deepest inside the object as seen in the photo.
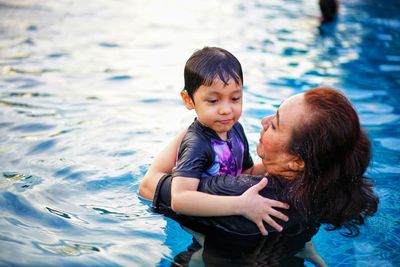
(59, 213)
(32, 127)
(14, 221)
(110, 182)
(17, 104)
(70, 248)
(120, 77)
(27, 94)
(66, 215)
(107, 214)
(382, 119)
(20, 206)
(108, 45)
(19, 181)
(5, 124)
(42, 147)
(123, 153)
(56, 55)
(390, 143)
(9, 239)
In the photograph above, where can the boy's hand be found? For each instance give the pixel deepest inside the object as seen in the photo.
(258, 209)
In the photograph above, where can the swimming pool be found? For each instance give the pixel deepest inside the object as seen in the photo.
(89, 92)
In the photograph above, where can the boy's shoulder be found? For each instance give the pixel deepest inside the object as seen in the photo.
(238, 126)
(197, 135)
(197, 130)
(195, 143)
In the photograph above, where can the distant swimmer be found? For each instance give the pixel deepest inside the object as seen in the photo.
(329, 10)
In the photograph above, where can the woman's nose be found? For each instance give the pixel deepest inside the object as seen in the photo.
(265, 122)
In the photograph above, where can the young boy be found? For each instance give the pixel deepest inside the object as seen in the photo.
(214, 144)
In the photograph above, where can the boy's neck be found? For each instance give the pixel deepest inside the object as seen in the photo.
(222, 135)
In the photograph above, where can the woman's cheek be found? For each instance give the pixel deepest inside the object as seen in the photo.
(266, 142)
(261, 150)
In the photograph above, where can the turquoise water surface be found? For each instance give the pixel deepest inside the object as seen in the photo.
(89, 93)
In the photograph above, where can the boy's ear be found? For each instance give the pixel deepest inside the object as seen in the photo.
(187, 100)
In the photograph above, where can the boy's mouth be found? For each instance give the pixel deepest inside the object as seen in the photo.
(225, 121)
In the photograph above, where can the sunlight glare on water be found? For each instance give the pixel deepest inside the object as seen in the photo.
(89, 93)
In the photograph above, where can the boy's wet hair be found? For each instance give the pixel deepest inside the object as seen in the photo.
(209, 63)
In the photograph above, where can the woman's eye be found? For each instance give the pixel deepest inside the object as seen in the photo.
(273, 126)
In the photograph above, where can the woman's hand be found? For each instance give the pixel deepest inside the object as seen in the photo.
(258, 209)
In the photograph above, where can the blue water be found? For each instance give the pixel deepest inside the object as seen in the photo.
(89, 93)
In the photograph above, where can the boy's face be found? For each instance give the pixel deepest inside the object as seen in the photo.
(218, 106)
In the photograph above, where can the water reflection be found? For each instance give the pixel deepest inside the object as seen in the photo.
(89, 92)
(18, 181)
(69, 248)
(278, 249)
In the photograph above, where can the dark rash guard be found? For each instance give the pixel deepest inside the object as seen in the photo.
(234, 240)
(203, 153)
(226, 185)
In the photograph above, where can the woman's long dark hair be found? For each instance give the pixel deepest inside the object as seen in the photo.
(332, 189)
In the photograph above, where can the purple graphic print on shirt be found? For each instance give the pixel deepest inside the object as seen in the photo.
(228, 157)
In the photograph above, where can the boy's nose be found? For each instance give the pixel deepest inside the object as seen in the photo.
(225, 109)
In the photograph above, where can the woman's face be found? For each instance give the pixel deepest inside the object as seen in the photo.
(276, 134)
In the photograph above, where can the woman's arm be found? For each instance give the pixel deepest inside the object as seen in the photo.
(162, 164)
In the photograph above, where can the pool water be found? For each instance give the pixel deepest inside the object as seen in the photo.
(89, 93)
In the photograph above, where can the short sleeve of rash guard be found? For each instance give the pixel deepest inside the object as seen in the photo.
(194, 157)
(247, 159)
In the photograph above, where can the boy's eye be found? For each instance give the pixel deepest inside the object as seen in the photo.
(236, 98)
(212, 101)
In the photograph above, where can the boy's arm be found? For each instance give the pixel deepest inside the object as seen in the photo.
(187, 200)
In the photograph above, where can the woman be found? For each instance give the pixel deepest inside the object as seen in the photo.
(315, 155)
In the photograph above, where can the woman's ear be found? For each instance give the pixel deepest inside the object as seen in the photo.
(187, 100)
(296, 164)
